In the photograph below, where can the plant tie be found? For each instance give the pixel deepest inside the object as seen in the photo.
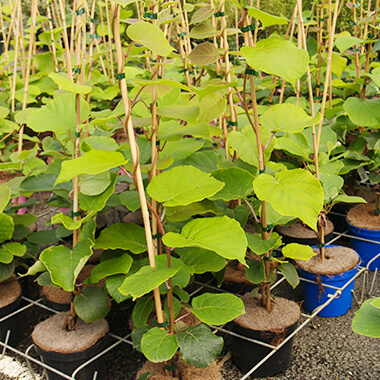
(75, 214)
(248, 28)
(171, 367)
(120, 76)
(79, 12)
(158, 235)
(251, 72)
(150, 16)
(267, 228)
(320, 245)
(95, 36)
(163, 324)
(219, 14)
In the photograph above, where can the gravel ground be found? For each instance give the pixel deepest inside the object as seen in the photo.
(327, 348)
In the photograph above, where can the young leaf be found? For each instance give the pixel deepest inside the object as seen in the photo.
(298, 251)
(127, 236)
(199, 346)
(92, 304)
(217, 309)
(117, 265)
(364, 112)
(137, 335)
(6, 227)
(221, 235)
(255, 272)
(204, 54)
(150, 36)
(5, 196)
(266, 18)
(278, 57)
(145, 280)
(292, 193)
(158, 346)
(66, 84)
(290, 274)
(142, 310)
(182, 185)
(6, 270)
(259, 246)
(15, 248)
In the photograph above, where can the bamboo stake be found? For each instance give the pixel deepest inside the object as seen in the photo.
(115, 9)
(66, 39)
(110, 41)
(15, 62)
(27, 74)
(54, 50)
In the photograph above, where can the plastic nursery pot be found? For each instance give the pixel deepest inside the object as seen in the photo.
(11, 324)
(315, 295)
(247, 354)
(68, 363)
(365, 249)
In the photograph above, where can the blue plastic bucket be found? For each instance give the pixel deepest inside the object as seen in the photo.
(311, 292)
(366, 250)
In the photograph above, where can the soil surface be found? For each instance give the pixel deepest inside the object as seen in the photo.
(337, 260)
(10, 290)
(298, 230)
(52, 334)
(363, 216)
(284, 313)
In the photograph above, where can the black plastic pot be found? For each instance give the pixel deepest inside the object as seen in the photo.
(68, 363)
(247, 354)
(286, 239)
(12, 323)
(55, 305)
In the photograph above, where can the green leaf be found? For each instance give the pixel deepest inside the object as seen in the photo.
(58, 115)
(66, 221)
(150, 36)
(187, 113)
(5, 196)
(199, 346)
(259, 246)
(343, 198)
(238, 183)
(203, 30)
(64, 264)
(201, 260)
(221, 235)
(145, 280)
(181, 149)
(16, 249)
(217, 309)
(142, 310)
(364, 113)
(161, 82)
(130, 199)
(181, 278)
(338, 64)
(266, 18)
(278, 57)
(6, 257)
(182, 185)
(295, 144)
(158, 346)
(182, 213)
(204, 54)
(292, 193)
(92, 304)
(137, 335)
(25, 220)
(66, 84)
(345, 42)
(112, 284)
(244, 142)
(287, 118)
(93, 162)
(94, 184)
(298, 251)
(6, 227)
(6, 271)
(201, 14)
(290, 274)
(126, 236)
(37, 267)
(367, 320)
(117, 265)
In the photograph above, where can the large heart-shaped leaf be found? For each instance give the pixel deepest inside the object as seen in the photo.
(298, 251)
(58, 115)
(217, 309)
(6, 227)
(278, 57)
(158, 346)
(64, 265)
(199, 346)
(182, 213)
(260, 246)
(266, 18)
(287, 118)
(150, 36)
(126, 236)
(183, 185)
(364, 112)
(292, 193)
(221, 235)
(66, 84)
(345, 42)
(93, 162)
(255, 272)
(5, 196)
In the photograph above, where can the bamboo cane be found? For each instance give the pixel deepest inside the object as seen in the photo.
(115, 9)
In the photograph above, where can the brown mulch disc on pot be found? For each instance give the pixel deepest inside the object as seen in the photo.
(363, 216)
